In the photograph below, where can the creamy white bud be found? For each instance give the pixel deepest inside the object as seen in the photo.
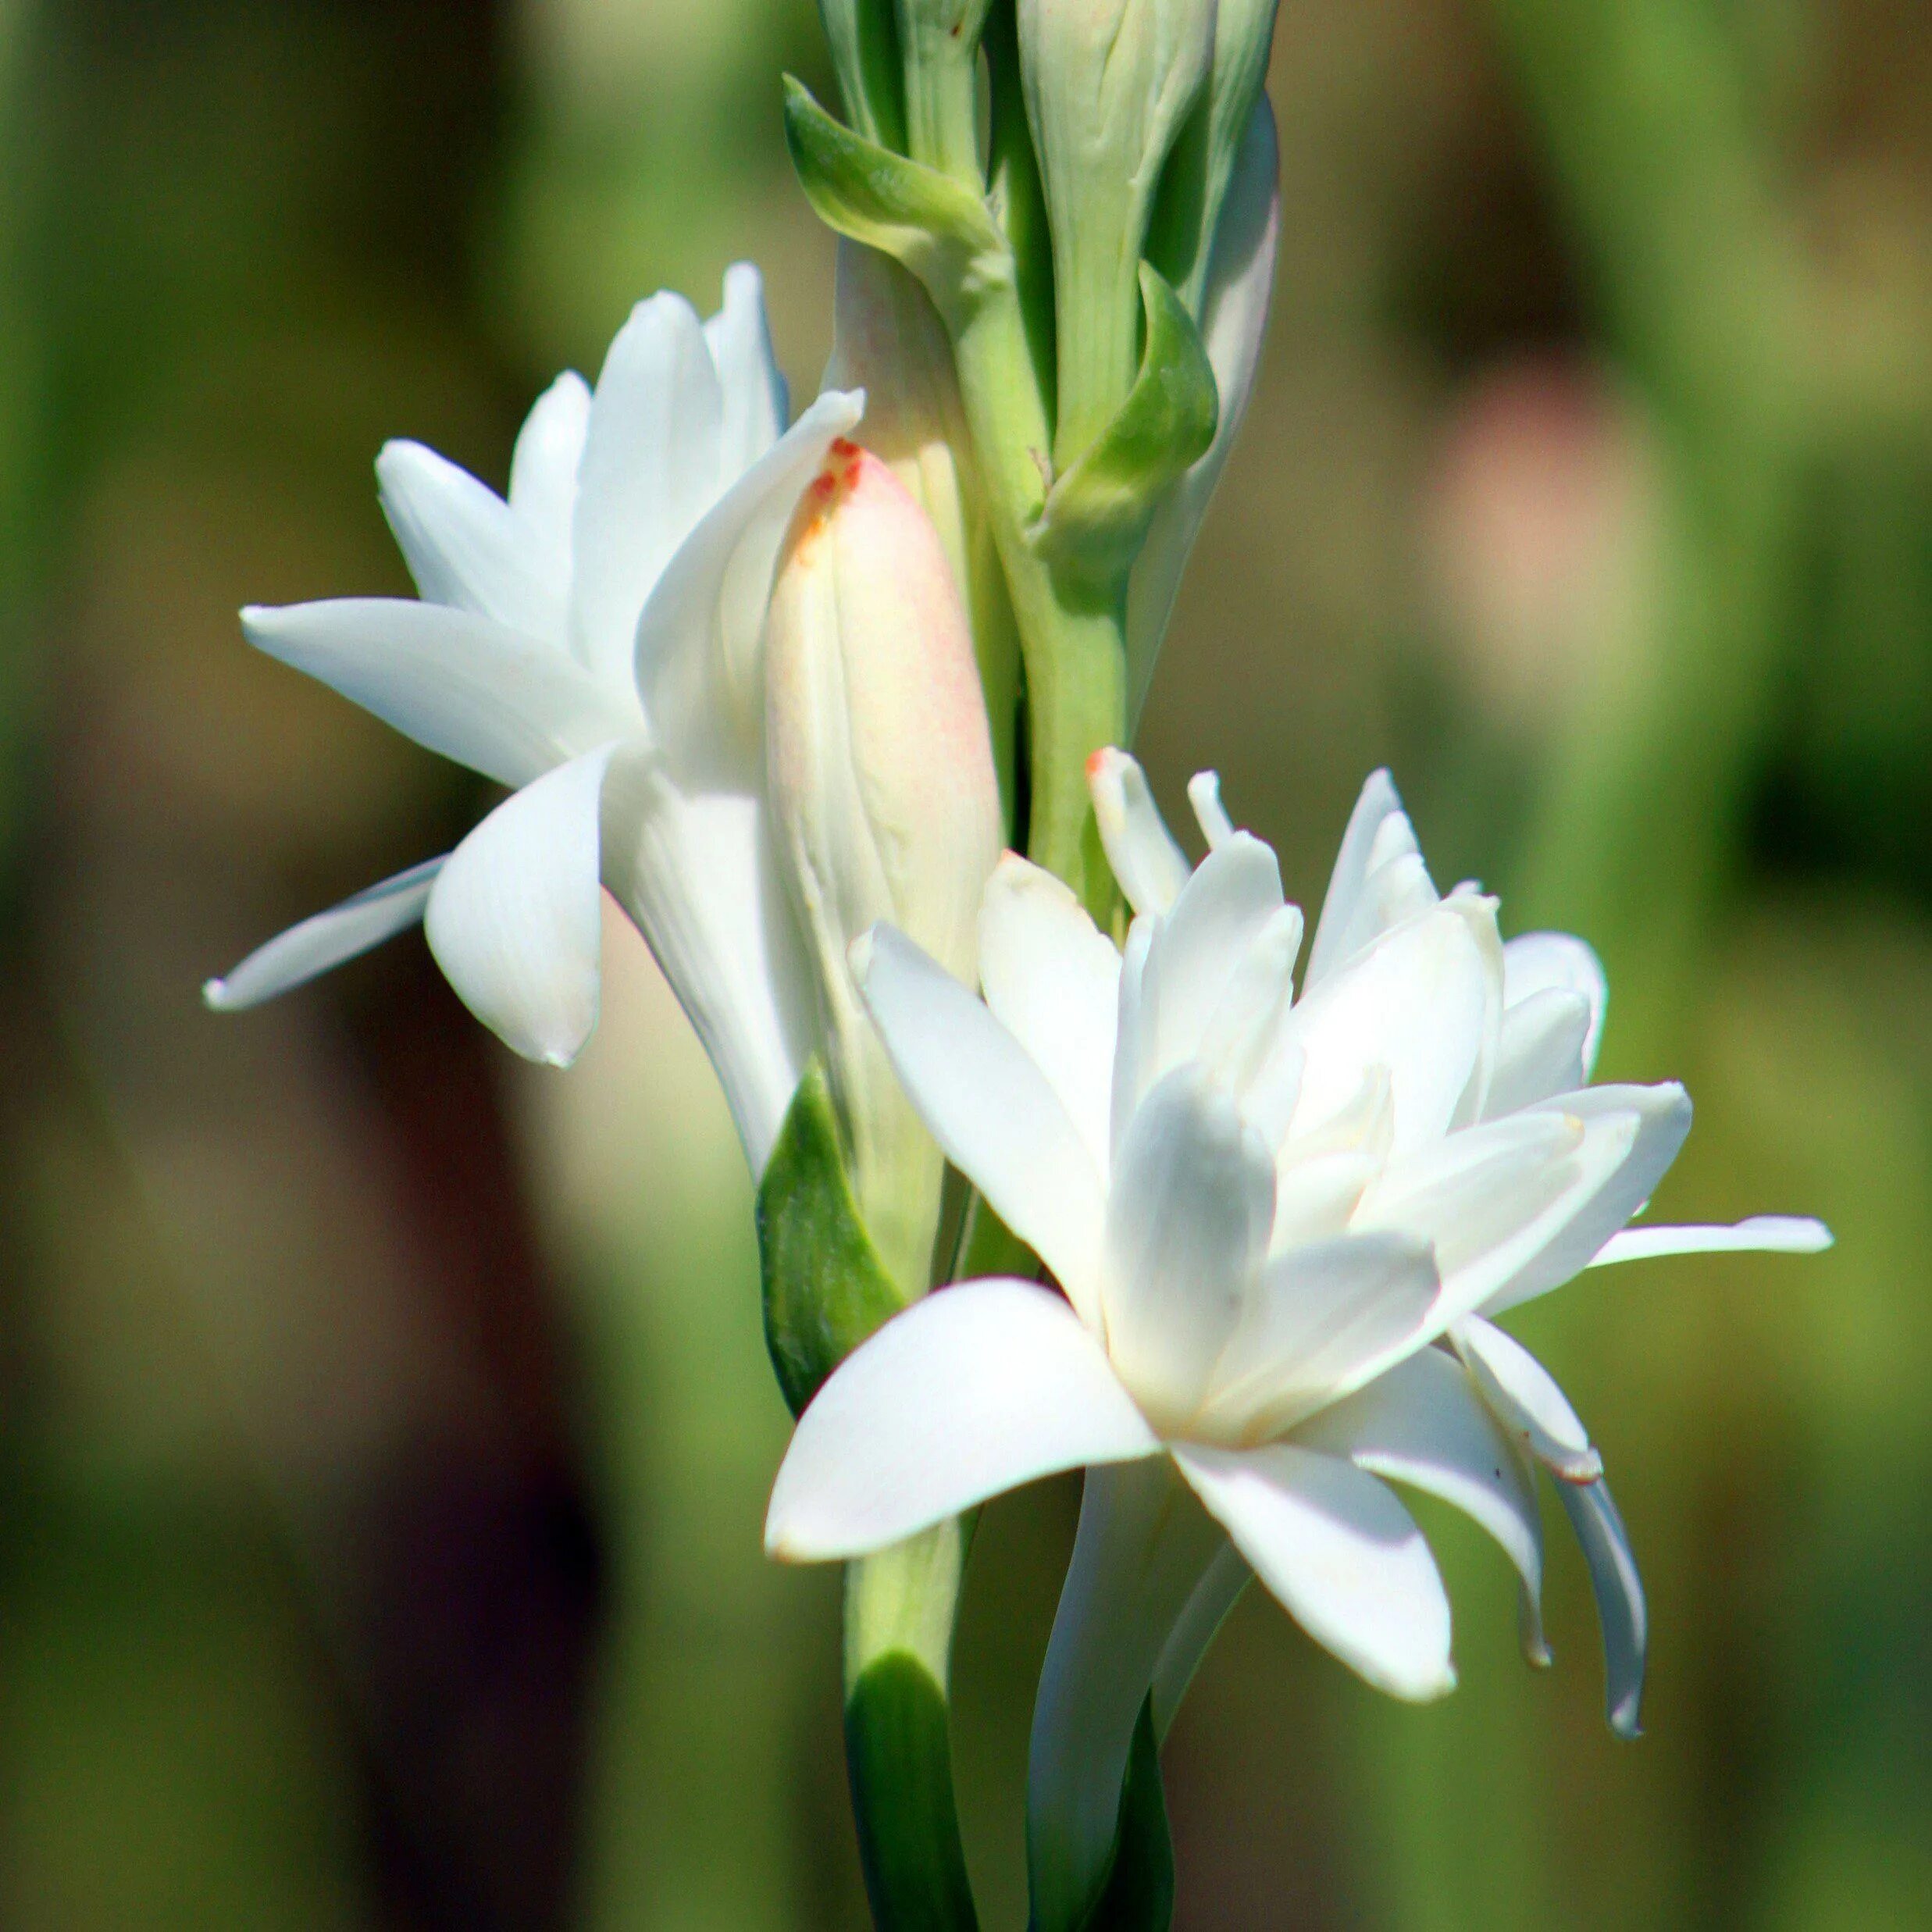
(883, 792)
(888, 340)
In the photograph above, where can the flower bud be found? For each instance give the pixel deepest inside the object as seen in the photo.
(1108, 84)
(883, 791)
(888, 340)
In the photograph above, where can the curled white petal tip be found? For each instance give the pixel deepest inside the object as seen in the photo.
(215, 995)
(859, 955)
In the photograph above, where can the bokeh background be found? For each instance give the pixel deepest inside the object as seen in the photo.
(384, 1426)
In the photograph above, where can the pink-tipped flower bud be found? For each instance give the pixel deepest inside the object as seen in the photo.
(882, 788)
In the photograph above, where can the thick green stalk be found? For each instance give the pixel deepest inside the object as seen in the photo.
(1073, 644)
(898, 1612)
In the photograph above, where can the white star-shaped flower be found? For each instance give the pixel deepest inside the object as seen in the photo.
(593, 642)
(1263, 1207)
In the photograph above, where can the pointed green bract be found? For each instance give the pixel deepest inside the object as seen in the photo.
(1097, 514)
(825, 1287)
(938, 226)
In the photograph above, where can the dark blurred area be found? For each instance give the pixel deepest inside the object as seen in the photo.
(384, 1425)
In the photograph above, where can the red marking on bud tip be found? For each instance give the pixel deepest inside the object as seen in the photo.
(1095, 760)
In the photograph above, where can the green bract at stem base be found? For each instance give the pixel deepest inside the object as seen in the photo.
(825, 1290)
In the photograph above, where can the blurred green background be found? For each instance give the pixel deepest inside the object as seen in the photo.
(384, 1425)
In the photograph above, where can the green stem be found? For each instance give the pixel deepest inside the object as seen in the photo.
(1073, 644)
(898, 1612)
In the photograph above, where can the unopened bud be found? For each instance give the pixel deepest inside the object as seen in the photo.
(882, 788)
(888, 340)
(1108, 84)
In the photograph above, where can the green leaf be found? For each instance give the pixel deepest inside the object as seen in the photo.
(1139, 1894)
(1097, 512)
(939, 227)
(826, 1289)
(898, 1751)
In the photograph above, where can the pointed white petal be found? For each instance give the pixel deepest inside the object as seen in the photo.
(544, 465)
(1244, 1042)
(1199, 948)
(1341, 1555)
(1541, 1050)
(1323, 1320)
(1234, 320)
(1145, 1548)
(1662, 1117)
(1420, 1002)
(696, 654)
(514, 917)
(1203, 793)
(740, 342)
(1526, 1401)
(466, 547)
(1423, 1424)
(1378, 804)
(1188, 1218)
(1149, 868)
(697, 874)
(990, 1108)
(1053, 980)
(501, 702)
(975, 1390)
(1494, 1198)
(298, 955)
(650, 470)
(1535, 962)
(1763, 1234)
(1619, 1598)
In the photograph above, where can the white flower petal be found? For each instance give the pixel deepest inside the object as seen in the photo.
(1419, 1002)
(740, 342)
(1188, 1218)
(1763, 1234)
(1323, 1320)
(1526, 1400)
(975, 1390)
(1149, 867)
(1423, 1424)
(1541, 1050)
(697, 654)
(515, 917)
(991, 1109)
(1199, 946)
(1362, 841)
(1203, 793)
(544, 464)
(466, 547)
(496, 700)
(1535, 962)
(1662, 1117)
(1234, 320)
(1052, 979)
(1341, 1555)
(650, 470)
(291, 958)
(1619, 1598)
(697, 875)
(1145, 1548)
(1495, 1197)
(1244, 1042)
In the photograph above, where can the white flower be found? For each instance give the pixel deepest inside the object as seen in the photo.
(593, 643)
(1263, 1209)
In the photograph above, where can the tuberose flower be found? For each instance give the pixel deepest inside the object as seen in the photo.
(593, 642)
(1263, 1209)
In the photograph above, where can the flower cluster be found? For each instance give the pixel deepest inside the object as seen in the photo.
(1237, 1227)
